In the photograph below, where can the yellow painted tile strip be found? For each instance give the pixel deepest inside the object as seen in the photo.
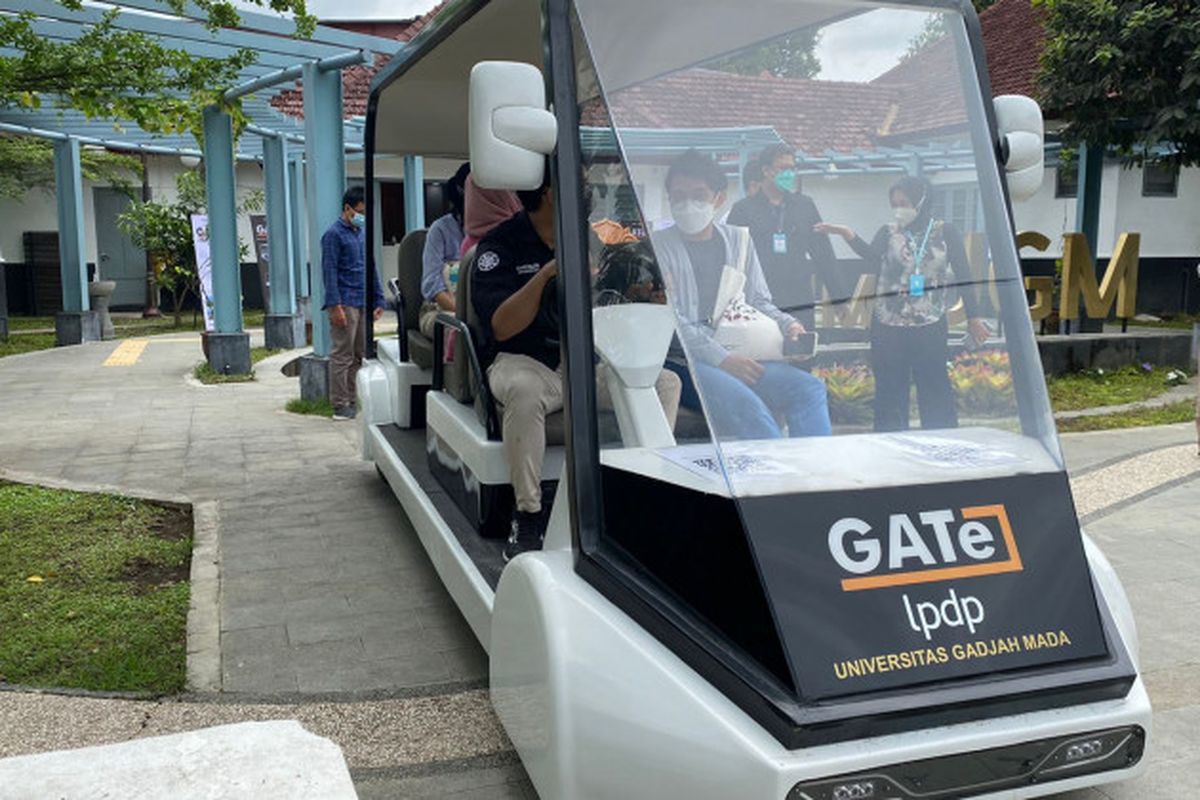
(127, 353)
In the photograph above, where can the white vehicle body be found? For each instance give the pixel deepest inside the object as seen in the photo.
(606, 694)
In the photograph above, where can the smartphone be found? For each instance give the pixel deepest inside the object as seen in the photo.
(803, 347)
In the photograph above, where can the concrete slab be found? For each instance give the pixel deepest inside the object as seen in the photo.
(249, 759)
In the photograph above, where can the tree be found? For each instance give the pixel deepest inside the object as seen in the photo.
(27, 163)
(935, 30)
(931, 33)
(164, 230)
(790, 56)
(124, 75)
(1125, 73)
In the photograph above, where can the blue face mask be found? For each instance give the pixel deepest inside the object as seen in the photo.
(358, 220)
(785, 179)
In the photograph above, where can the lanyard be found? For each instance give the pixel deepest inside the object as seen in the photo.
(920, 255)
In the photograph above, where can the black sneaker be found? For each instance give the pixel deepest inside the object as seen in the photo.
(344, 413)
(527, 532)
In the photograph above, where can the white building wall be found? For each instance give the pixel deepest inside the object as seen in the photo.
(37, 211)
(34, 212)
(1169, 226)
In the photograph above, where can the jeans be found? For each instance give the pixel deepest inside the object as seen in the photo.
(738, 411)
(901, 356)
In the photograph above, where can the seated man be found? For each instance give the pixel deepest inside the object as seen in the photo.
(513, 265)
(743, 395)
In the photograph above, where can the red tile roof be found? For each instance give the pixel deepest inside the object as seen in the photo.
(356, 81)
(817, 115)
(1014, 35)
(813, 116)
(921, 110)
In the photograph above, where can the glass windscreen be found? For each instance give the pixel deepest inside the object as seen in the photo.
(814, 195)
(823, 423)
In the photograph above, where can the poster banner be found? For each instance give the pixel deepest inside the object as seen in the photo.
(262, 254)
(204, 267)
(885, 588)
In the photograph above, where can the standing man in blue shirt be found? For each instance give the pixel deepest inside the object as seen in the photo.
(344, 272)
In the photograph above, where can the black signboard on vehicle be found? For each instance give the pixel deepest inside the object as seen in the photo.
(875, 589)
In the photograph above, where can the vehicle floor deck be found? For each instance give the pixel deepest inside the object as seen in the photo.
(409, 447)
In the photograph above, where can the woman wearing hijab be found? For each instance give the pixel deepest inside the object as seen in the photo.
(922, 262)
(484, 210)
(442, 245)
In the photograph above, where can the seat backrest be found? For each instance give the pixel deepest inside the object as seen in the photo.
(458, 370)
(466, 312)
(412, 249)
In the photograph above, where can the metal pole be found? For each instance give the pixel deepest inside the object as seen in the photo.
(1087, 213)
(3, 301)
(151, 309)
(325, 180)
(299, 237)
(1087, 205)
(222, 219)
(279, 226)
(414, 193)
(330, 64)
(228, 345)
(68, 184)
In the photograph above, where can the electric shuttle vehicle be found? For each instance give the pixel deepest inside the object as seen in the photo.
(867, 609)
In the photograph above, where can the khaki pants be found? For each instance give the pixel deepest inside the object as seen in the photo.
(346, 357)
(527, 392)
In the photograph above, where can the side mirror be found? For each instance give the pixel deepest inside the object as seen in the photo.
(1019, 120)
(510, 130)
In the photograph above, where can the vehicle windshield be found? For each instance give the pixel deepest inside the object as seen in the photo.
(808, 193)
(818, 190)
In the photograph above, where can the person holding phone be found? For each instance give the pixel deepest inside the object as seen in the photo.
(746, 390)
(922, 269)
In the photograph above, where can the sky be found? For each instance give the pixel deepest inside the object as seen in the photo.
(361, 9)
(866, 46)
(856, 49)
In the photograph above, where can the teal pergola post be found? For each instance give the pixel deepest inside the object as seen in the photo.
(1087, 213)
(299, 238)
(414, 193)
(324, 183)
(228, 345)
(283, 328)
(3, 302)
(76, 323)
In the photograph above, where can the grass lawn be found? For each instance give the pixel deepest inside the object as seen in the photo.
(28, 334)
(1178, 321)
(319, 408)
(257, 354)
(1183, 411)
(207, 375)
(1094, 388)
(18, 343)
(93, 591)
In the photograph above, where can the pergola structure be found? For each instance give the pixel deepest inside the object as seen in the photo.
(303, 162)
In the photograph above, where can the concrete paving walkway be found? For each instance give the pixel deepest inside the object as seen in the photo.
(325, 591)
(331, 614)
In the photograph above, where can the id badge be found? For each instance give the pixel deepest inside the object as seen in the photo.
(779, 243)
(916, 285)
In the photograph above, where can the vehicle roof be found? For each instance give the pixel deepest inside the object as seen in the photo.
(421, 98)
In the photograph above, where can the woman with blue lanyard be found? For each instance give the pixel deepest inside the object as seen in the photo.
(922, 270)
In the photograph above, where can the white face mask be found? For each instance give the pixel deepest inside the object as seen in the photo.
(693, 216)
(904, 215)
